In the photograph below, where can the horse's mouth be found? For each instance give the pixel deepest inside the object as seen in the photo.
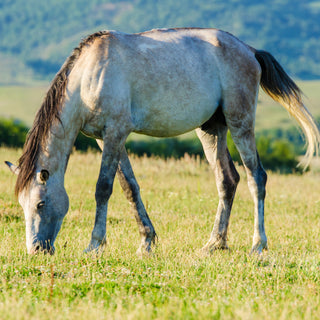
(44, 248)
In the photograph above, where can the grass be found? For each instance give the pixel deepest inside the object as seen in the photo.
(177, 282)
(20, 102)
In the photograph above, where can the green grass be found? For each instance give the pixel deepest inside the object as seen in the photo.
(21, 103)
(177, 282)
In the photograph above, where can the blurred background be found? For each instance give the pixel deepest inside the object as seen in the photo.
(37, 36)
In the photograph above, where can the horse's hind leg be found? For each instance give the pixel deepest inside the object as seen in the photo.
(240, 121)
(213, 136)
(131, 189)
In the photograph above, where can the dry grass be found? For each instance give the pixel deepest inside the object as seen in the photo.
(177, 282)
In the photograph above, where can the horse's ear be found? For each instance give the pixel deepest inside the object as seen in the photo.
(13, 167)
(44, 175)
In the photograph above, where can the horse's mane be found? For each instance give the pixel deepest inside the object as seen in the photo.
(47, 114)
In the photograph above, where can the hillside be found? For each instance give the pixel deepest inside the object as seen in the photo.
(36, 36)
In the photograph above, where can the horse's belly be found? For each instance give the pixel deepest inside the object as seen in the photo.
(172, 120)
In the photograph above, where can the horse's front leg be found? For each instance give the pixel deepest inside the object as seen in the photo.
(131, 189)
(108, 169)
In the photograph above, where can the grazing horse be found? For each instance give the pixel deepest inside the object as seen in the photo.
(160, 83)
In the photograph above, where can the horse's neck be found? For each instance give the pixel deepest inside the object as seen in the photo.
(55, 154)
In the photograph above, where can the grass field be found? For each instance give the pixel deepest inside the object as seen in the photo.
(21, 102)
(177, 281)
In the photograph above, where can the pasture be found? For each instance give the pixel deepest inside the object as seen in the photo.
(177, 281)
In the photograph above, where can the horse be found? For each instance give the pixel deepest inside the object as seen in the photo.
(161, 83)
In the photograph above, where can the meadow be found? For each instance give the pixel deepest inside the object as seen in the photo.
(177, 281)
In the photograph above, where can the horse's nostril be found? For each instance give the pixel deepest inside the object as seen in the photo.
(37, 248)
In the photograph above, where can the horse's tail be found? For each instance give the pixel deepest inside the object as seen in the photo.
(277, 84)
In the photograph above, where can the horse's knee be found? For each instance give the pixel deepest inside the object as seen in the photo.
(103, 190)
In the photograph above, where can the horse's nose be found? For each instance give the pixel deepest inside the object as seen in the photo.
(47, 248)
(42, 247)
(35, 249)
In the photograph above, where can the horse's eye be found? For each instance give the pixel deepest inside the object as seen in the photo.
(40, 204)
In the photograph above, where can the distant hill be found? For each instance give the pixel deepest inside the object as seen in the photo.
(36, 36)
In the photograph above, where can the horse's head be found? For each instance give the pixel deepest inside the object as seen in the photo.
(45, 203)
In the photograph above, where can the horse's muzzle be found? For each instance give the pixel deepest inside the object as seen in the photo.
(40, 247)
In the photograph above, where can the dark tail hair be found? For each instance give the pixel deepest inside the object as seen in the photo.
(280, 87)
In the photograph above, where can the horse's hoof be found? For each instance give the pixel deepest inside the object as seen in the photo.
(209, 248)
(95, 247)
(259, 247)
(144, 251)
